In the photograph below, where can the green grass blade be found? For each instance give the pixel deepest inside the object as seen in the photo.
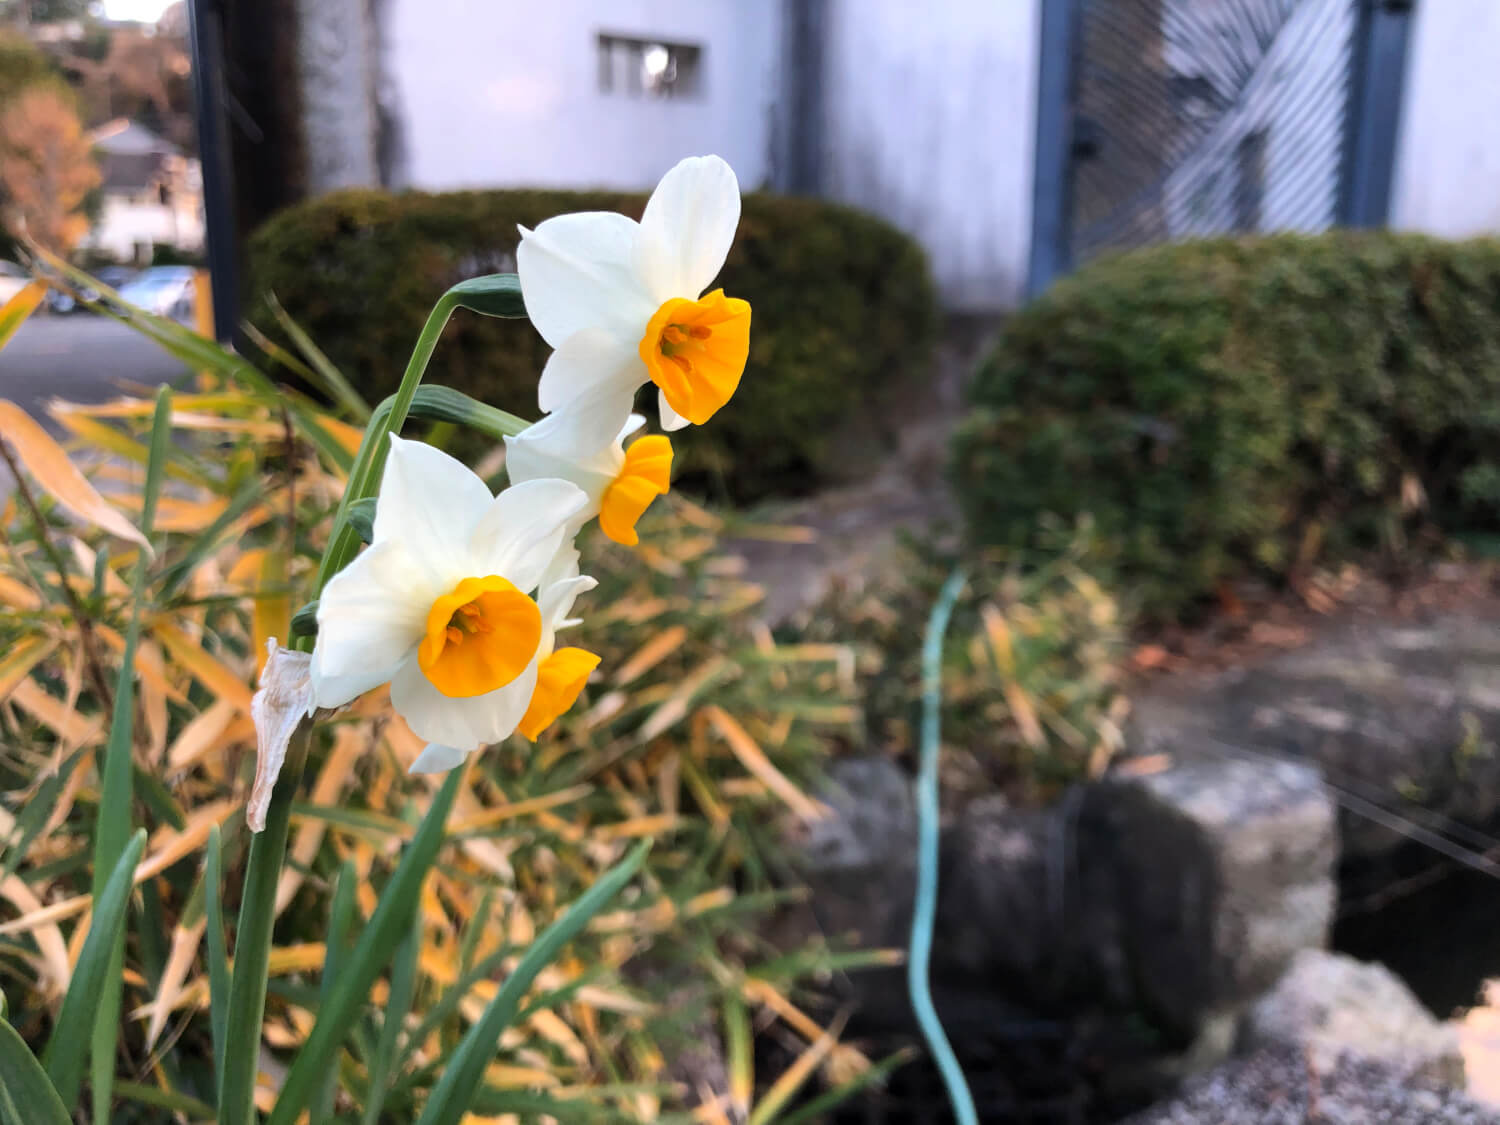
(403, 989)
(448, 1002)
(198, 352)
(29, 1097)
(460, 1083)
(116, 795)
(528, 1106)
(155, 1096)
(218, 956)
(329, 446)
(387, 928)
(252, 945)
(468, 945)
(328, 373)
(64, 1056)
(210, 539)
(33, 817)
(340, 919)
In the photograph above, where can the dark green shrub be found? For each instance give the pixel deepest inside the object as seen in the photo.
(842, 302)
(1230, 408)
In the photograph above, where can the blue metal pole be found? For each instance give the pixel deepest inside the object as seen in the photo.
(1377, 84)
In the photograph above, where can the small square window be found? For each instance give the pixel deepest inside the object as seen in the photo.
(649, 68)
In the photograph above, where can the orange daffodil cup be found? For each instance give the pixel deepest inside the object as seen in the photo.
(458, 598)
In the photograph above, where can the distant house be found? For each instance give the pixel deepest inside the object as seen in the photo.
(153, 195)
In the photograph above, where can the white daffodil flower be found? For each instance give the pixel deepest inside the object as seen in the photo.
(584, 442)
(440, 604)
(623, 303)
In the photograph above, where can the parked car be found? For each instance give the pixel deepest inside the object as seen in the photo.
(12, 280)
(164, 290)
(59, 301)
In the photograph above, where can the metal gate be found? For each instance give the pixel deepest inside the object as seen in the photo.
(1169, 119)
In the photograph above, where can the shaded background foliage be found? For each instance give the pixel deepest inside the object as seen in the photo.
(1235, 408)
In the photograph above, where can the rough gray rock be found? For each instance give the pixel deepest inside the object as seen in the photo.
(1143, 911)
(861, 859)
(1329, 1005)
(1220, 872)
(1390, 712)
(1276, 1086)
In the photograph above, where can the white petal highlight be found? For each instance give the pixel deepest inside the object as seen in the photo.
(579, 443)
(437, 758)
(431, 502)
(371, 616)
(284, 699)
(592, 362)
(523, 529)
(687, 228)
(670, 419)
(556, 602)
(466, 724)
(578, 271)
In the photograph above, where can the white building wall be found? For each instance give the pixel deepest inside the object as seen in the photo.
(126, 224)
(505, 93)
(931, 124)
(1447, 174)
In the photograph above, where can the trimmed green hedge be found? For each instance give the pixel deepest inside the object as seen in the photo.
(841, 302)
(1234, 408)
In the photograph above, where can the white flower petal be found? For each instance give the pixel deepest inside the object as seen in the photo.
(370, 616)
(556, 602)
(463, 723)
(524, 528)
(437, 758)
(564, 565)
(578, 271)
(431, 503)
(592, 362)
(687, 228)
(670, 419)
(531, 460)
(579, 443)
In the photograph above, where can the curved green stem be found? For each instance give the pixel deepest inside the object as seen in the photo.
(252, 945)
(925, 908)
(388, 418)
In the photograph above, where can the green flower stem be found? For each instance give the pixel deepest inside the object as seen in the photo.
(365, 476)
(252, 949)
(252, 943)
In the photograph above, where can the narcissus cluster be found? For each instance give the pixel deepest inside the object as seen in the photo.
(458, 598)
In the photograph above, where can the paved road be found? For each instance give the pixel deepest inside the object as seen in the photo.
(82, 358)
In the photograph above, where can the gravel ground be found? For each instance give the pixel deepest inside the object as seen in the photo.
(1278, 1087)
